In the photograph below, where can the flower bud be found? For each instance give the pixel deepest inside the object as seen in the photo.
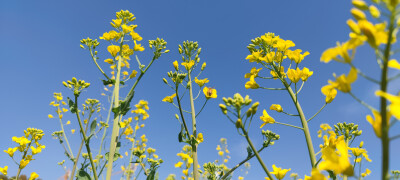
(238, 123)
(203, 66)
(165, 81)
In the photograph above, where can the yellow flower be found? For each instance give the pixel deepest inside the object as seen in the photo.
(279, 172)
(23, 163)
(72, 131)
(294, 75)
(296, 56)
(188, 65)
(126, 28)
(50, 116)
(133, 74)
(251, 84)
(185, 172)
(343, 82)
(377, 122)
(11, 151)
(128, 131)
(200, 138)
(210, 92)
(276, 107)
(116, 23)
(178, 164)
(330, 92)
(110, 35)
(176, 65)
(283, 45)
(266, 119)
(169, 99)
(394, 64)
(256, 56)
(376, 34)
(218, 148)
(138, 47)
(366, 173)
(220, 153)
(4, 170)
(21, 140)
(306, 73)
(253, 72)
(33, 176)
(37, 150)
(136, 36)
(240, 178)
(315, 175)
(394, 107)
(337, 161)
(201, 82)
(113, 50)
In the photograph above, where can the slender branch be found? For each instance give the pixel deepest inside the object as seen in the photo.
(272, 88)
(202, 108)
(264, 77)
(301, 87)
(238, 165)
(290, 114)
(394, 77)
(317, 112)
(95, 61)
(65, 136)
(362, 102)
(182, 109)
(289, 125)
(364, 75)
(395, 137)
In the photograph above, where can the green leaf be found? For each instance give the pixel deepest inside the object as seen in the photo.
(249, 151)
(93, 127)
(181, 134)
(116, 156)
(151, 175)
(82, 175)
(71, 105)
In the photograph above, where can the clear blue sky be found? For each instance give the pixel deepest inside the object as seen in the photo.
(40, 48)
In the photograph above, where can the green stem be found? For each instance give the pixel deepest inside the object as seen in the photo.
(238, 165)
(383, 102)
(289, 114)
(364, 75)
(128, 176)
(304, 124)
(317, 112)
(196, 175)
(71, 154)
(95, 61)
(272, 88)
(362, 102)
(202, 108)
(85, 138)
(80, 149)
(115, 130)
(256, 153)
(289, 125)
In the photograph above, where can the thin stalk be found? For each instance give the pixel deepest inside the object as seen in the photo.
(128, 176)
(364, 75)
(115, 130)
(180, 110)
(272, 88)
(289, 125)
(105, 130)
(395, 137)
(289, 114)
(79, 150)
(256, 153)
(202, 108)
(85, 138)
(196, 174)
(362, 102)
(95, 61)
(383, 102)
(303, 122)
(238, 165)
(65, 136)
(317, 112)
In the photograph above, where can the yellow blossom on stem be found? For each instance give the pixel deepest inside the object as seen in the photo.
(306, 73)
(393, 63)
(357, 14)
(113, 50)
(200, 138)
(282, 72)
(394, 107)
(276, 107)
(33, 176)
(343, 82)
(376, 34)
(330, 92)
(296, 56)
(178, 164)
(337, 161)
(23, 163)
(138, 47)
(377, 122)
(201, 82)
(251, 84)
(220, 153)
(11, 151)
(72, 131)
(266, 119)
(256, 56)
(4, 170)
(188, 65)
(279, 172)
(185, 172)
(135, 36)
(176, 65)
(133, 74)
(116, 23)
(169, 99)
(283, 45)
(210, 92)
(50, 116)
(366, 173)
(294, 75)
(253, 72)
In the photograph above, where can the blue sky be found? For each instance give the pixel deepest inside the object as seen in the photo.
(40, 49)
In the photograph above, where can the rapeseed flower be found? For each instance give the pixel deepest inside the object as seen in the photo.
(210, 92)
(188, 65)
(253, 72)
(251, 84)
(33, 176)
(113, 50)
(394, 106)
(279, 172)
(276, 107)
(376, 122)
(169, 99)
(4, 170)
(201, 82)
(266, 119)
